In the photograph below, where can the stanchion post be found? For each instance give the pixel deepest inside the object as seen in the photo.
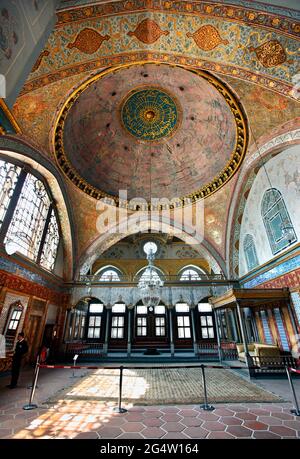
(119, 408)
(32, 406)
(74, 365)
(296, 410)
(35, 368)
(205, 406)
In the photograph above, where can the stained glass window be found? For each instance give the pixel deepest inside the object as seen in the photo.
(276, 217)
(51, 243)
(28, 221)
(9, 174)
(250, 252)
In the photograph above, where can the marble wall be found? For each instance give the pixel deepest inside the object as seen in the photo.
(24, 29)
(284, 174)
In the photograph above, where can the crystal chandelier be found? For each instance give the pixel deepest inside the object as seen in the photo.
(150, 284)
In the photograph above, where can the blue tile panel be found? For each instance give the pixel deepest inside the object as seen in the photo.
(283, 268)
(14, 268)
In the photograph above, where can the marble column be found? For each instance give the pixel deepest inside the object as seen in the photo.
(171, 331)
(107, 328)
(218, 335)
(129, 329)
(194, 331)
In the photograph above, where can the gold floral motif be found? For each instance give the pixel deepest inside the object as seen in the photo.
(207, 38)
(88, 41)
(270, 53)
(148, 32)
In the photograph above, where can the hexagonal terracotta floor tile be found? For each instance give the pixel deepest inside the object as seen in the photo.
(155, 422)
(213, 425)
(130, 435)
(220, 435)
(109, 432)
(192, 422)
(262, 434)
(246, 416)
(188, 413)
(283, 416)
(283, 431)
(175, 436)
(231, 421)
(171, 417)
(135, 417)
(173, 427)
(239, 431)
(153, 432)
(195, 432)
(132, 427)
(255, 425)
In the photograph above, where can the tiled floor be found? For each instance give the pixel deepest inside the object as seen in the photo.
(94, 419)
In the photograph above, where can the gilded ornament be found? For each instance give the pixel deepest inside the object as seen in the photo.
(270, 54)
(207, 38)
(88, 41)
(148, 32)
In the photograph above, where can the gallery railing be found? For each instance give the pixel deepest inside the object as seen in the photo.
(191, 278)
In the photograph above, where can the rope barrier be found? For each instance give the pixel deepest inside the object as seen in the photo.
(84, 367)
(294, 370)
(119, 409)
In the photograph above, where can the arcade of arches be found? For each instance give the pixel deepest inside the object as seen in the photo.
(132, 131)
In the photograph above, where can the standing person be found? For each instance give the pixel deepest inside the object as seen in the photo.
(20, 350)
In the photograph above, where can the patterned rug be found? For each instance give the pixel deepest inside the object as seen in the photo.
(164, 386)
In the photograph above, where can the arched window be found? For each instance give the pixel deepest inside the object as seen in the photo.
(109, 273)
(191, 273)
(276, 217)
(9, 174)
(31, 226)
(250, 252)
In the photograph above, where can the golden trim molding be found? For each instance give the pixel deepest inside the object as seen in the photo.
(236, 158)
(10, 118)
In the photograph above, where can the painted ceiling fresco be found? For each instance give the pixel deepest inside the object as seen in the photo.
(230, 39)
(254, 52)
(114, 146)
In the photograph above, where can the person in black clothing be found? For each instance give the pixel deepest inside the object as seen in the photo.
(20, 350)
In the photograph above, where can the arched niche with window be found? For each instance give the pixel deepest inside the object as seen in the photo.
(276, 217)
(109, 274)
(12, 327)
(250, 252)
(28, 217)
(191, 273)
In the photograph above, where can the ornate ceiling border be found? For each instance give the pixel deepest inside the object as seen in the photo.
(273, 84)
(244, 14)
(237, 156)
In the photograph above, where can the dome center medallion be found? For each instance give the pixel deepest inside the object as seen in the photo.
(150, 114)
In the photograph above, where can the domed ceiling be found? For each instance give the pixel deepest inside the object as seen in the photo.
(154, 130)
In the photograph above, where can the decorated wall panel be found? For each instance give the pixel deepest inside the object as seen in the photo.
(287, 182)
